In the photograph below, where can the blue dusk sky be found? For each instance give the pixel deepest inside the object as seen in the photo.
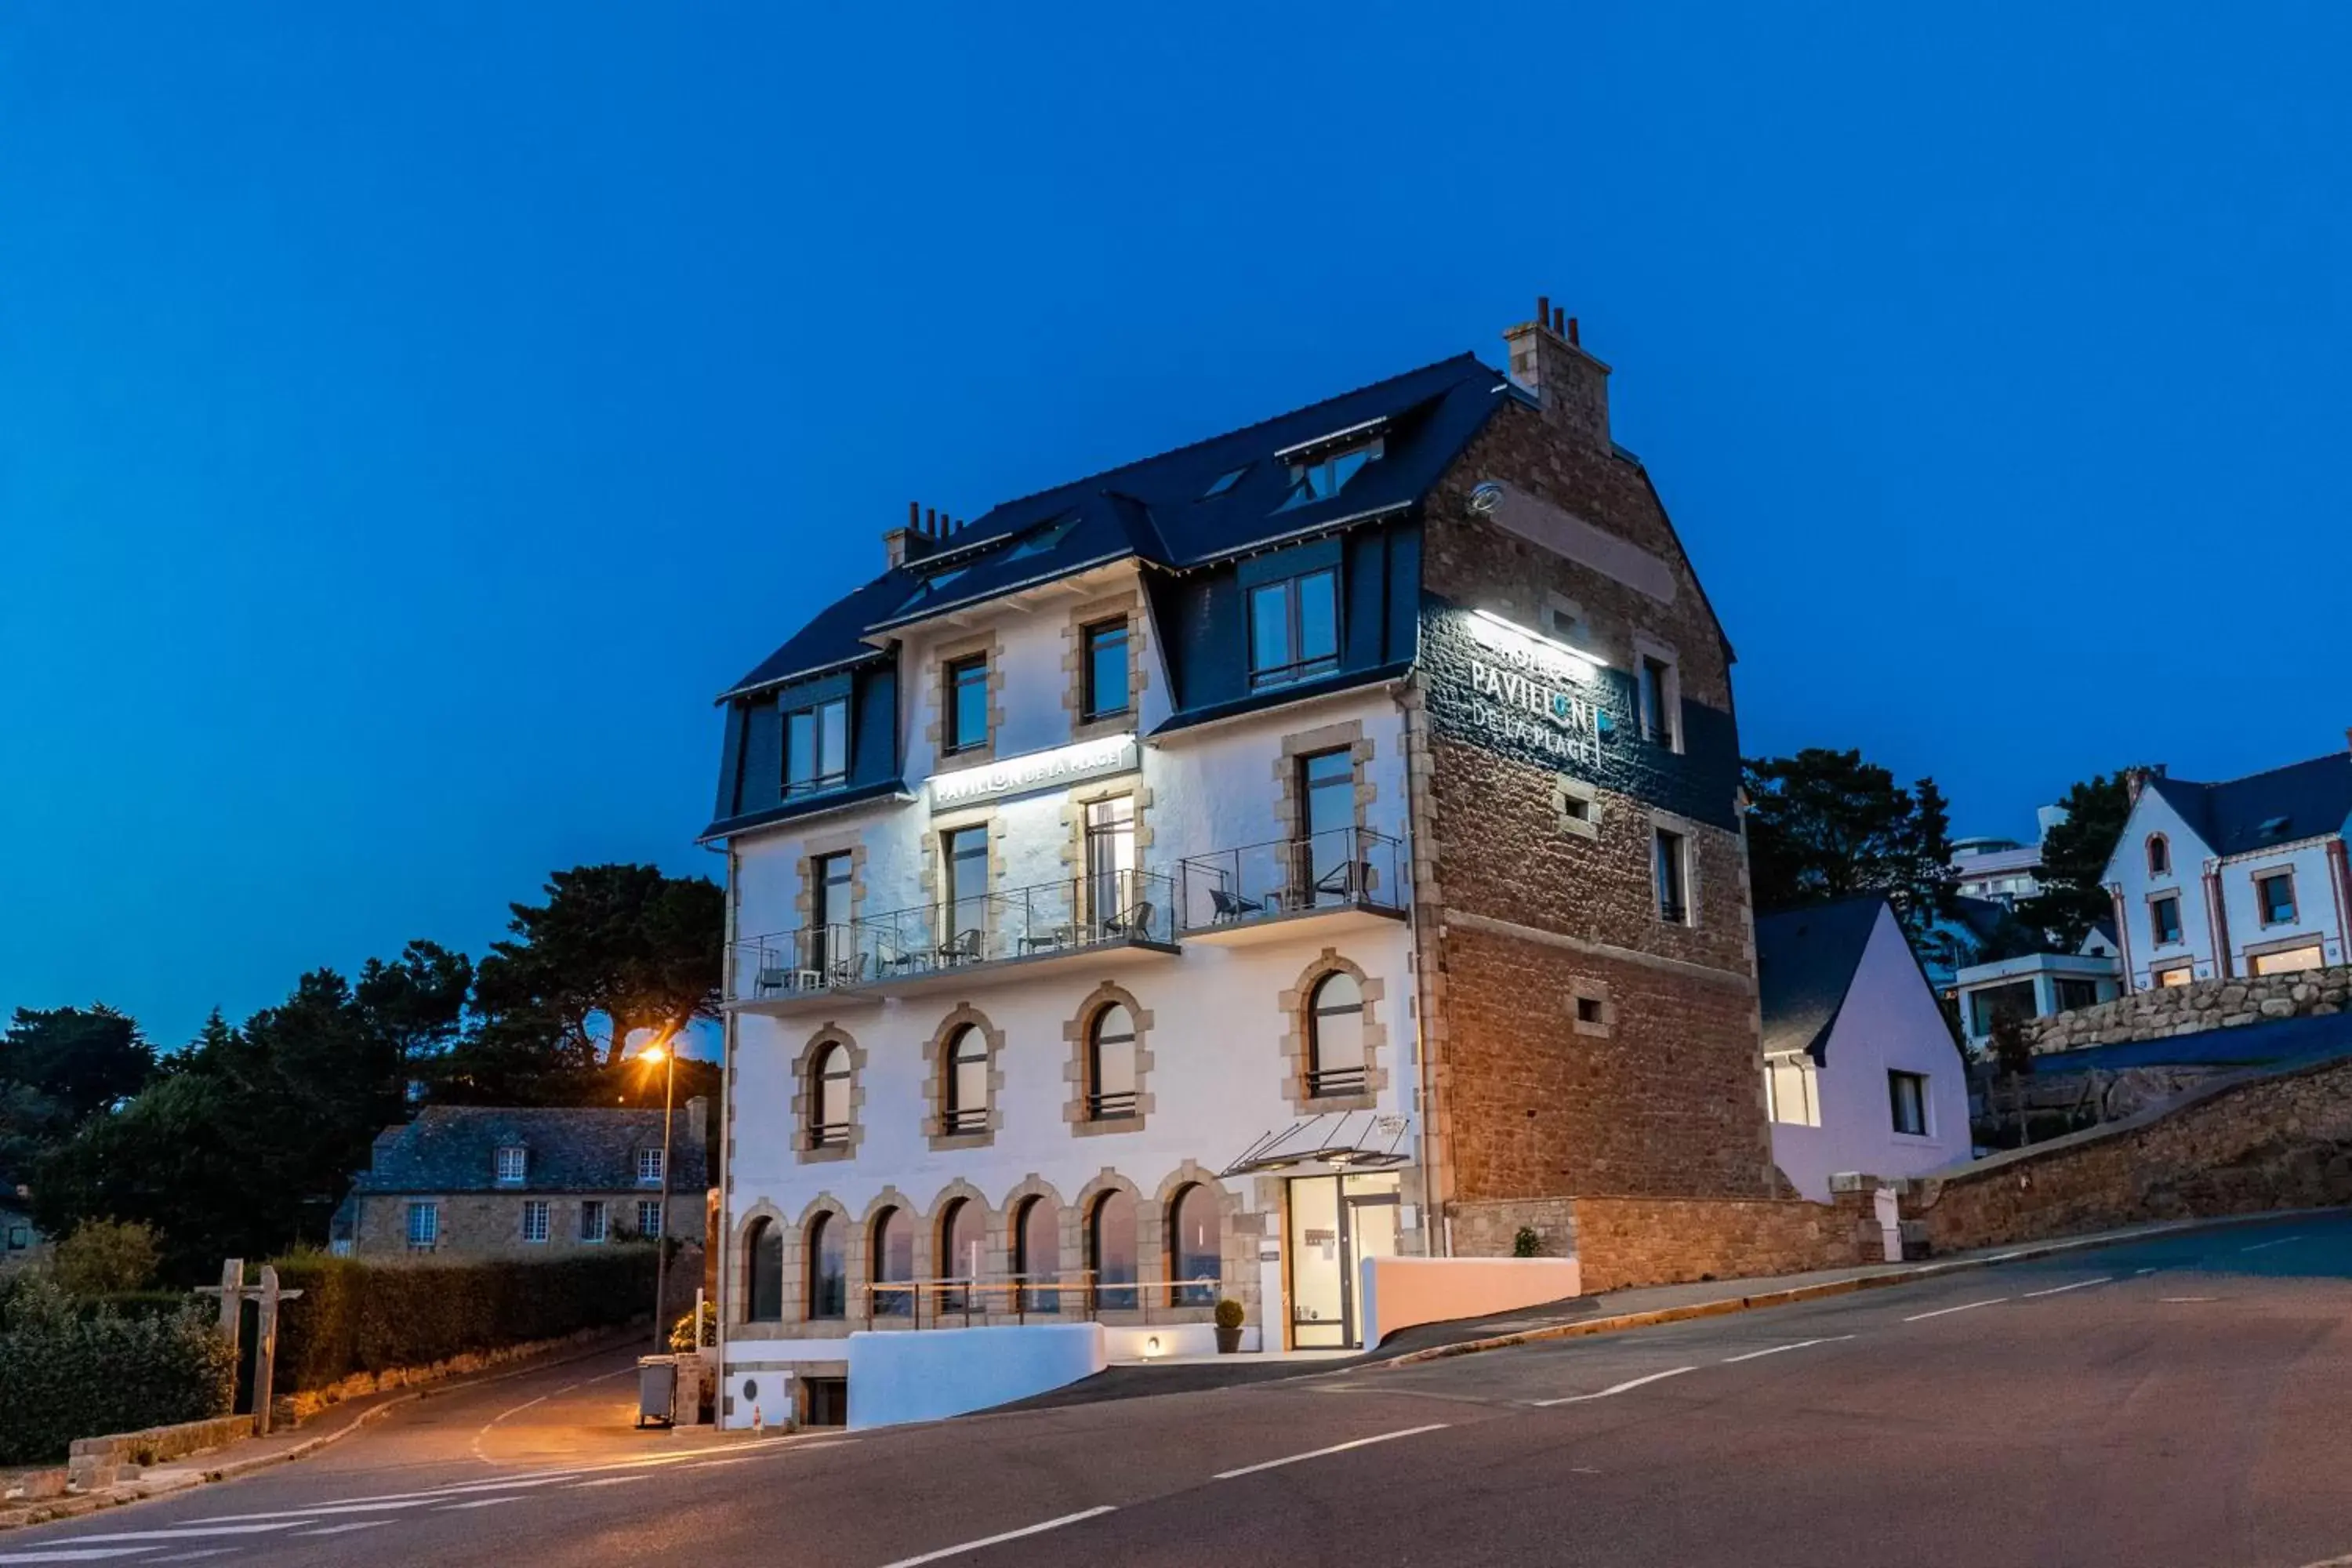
(411, 417)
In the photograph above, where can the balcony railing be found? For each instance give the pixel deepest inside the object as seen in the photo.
(1070, 915)
(1342, 867)
(1073, 1296)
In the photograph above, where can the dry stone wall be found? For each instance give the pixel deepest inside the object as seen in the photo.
(2194, 1008)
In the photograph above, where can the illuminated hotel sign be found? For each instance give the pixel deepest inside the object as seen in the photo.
(1532, 694)
(1057, 769)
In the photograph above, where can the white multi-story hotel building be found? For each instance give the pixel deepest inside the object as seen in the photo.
(1093, 873)
(2246, 876)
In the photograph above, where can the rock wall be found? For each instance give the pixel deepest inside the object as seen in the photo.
(1668, 1241)
(2191, 1009)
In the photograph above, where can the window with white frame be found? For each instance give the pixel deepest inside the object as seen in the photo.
(534, 1220)
(593, 1221)
(1906, 1094)
(649, 1167)
(1792, 1091)
(424, 1226)
(649, 1218)
(513, 1161)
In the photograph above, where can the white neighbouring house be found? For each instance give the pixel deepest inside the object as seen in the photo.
(1861, 1072)
(2245, 877)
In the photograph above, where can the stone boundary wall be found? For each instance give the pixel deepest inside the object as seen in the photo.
(97, 1462)
(1488, 1228)
(299, 1407)
(1624, 1241)
(2192, 1009)
(2280, 1139)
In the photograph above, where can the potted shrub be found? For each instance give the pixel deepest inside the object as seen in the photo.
(1229, 1326)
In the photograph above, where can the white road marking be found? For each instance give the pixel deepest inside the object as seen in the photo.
(2265, 1246)
(193, 1556)
(69, 1555)
(2175, 1300)
(608, 1482)
(1618, 1388)
(345, 1529)
(480, 1502)
(1963, 1307)
(1776, 1350)
(995, 1540)
(1334, 1448)
(2078, 1285)
(179, 1532)
(553, 1393)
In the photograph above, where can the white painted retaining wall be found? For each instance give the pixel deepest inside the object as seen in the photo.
(1399, 1292)
(895, 1377)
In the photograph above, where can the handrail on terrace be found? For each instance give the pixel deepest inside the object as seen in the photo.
(1075, 912)
(955, 1303)
(1338, 867)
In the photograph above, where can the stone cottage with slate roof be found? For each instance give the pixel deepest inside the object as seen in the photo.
(1316, 842)
(474, 1179)
(1861, 1071)
(2243, 878)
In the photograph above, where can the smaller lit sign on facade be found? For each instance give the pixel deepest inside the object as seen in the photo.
(1057, 769)
(1531, 696)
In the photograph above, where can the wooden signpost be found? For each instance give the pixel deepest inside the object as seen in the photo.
(234, 1293)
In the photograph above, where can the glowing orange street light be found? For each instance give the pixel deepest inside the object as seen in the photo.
(659, 1050)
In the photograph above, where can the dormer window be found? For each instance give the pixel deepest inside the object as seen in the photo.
(816, 747)
(1325, 474)
(649, 1167)
(513, 1161)
(1293, 628)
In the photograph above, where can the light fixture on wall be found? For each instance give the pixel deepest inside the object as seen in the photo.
(1489, 618)
(1152, 1347)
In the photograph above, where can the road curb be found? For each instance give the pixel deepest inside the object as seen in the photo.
(1796, 1293)
(55, 1510)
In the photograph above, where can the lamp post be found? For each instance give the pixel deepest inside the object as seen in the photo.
(662, 1051)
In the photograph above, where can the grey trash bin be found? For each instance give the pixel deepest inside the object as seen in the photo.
(657, 1389)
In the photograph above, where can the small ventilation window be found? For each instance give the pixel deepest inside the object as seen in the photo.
(1225, 482)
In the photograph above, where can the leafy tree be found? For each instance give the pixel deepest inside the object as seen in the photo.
(620, 943)
(1827, 825)
(106, 1258)
(82, 1058)
(2075, 856)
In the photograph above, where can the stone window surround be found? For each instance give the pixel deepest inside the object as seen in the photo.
(1669, 822)
(1076, 1032)
(1584, 821)
(936, 1067)
(1670, 697)
(1074, 844)
(2157, 844)
(1296, 1027)
(2179, 916)
(804, 1096)
(2283, 945)
(1128, 605)
(933, 874)
(1242, 1230)
(1289, 803)
(818, 847)
(988, 645)
(1581, 990)
(2262, 910)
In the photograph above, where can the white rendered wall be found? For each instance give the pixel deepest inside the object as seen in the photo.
(1889, 1023)
(2128, 871)
(2315, 904)
(900, 1377)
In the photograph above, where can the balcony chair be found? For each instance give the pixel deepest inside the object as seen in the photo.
(964, 949)
(1232, 906)
(1134, 923)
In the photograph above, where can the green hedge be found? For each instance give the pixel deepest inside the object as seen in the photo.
(69, 1370)
(357, 1315)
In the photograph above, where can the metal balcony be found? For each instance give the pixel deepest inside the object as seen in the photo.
(1334, 879)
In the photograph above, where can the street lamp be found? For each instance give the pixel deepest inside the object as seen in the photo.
(660, 1050)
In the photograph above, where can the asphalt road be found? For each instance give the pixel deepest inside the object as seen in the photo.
(2177, 1402)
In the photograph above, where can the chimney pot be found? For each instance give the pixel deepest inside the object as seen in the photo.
(1543, 308)
(1572, 335)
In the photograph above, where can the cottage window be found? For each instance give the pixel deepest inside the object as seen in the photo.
(1907, 1095)
(816, 747)
(593, 1221)
(649, 1218)
(534, 1220)
(2274, 894)
(649, 1167)
(424, 1226)
(512, 1161)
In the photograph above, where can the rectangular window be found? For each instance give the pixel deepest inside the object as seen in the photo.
(2073, 994)
(2292, 959)
(1669, 859)
(649, 1167)
(1322, 478)
(816, 747)
(830, 890)
(965, 851)
(967, 703)
(1906, 1093)
(1105, 650)
(592, 1221)
(1988, 1007)
(1293, 628)
(1110, 859)
(534, 1220)
(649, 1219)
(1659, 700)
(512, 1161)
(2178, 974)
(1326, 792)
(2164, 918)
(1789, 1092)
(2274, 894)
(424, 1226)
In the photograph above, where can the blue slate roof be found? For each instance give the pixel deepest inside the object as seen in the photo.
(454, 1149)
(1160, 510)
(1805, 965)
(2302, 800)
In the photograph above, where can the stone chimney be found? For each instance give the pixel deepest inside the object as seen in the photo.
(1549, 360)
(2135, 780)
(917, 539)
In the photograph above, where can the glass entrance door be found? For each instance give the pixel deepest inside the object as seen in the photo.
(1335, 1222)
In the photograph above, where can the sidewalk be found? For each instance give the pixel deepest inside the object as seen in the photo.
(1615, 1311)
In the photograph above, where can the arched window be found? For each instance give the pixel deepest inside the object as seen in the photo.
(1037, 1254)
(2160, 855)
(1196, 1255)
(967, 1082)
(763, 1273)
(963, 1251)
(828, 1267)
(892, 1263)
(1335, 1036)
(1110, 1251)
(828, 1098)
(1110, 1064)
